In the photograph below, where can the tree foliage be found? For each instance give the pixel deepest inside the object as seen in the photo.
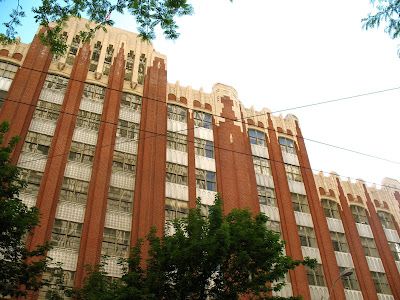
(147, 13)
(388, 12)
(222, 257)
(17, 275)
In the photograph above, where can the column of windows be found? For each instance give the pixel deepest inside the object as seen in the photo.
(205, 179)
(176, 173)
(370, 250)
(116, 242)
(7, 74)
(339, 242)
(38, 139)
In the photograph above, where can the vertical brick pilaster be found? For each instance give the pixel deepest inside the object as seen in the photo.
(191, 160)
(149, 205)
(58, 155)
(96, 206)
(322, 233)
(356, 248)
(236, 180)
(382, 244)
(290, 232)
(21, 99)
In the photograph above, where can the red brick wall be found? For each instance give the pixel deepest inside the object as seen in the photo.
(322, 233)
(149, 205)
(356, 249)
(96, 206)
(290, 232)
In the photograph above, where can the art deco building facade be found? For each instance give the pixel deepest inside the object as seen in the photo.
(111, 148)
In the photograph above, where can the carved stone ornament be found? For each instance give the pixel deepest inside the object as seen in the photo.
(61, 66)
(97, 75)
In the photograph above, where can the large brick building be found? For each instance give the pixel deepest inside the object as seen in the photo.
(111, 148)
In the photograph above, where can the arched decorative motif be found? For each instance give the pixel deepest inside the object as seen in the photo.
(3, 52)
(208, 107)
(322, 191)
(183, 100)
(17, 56)
(171, 97)
(250, 122)
(196, 103)
(260, 124)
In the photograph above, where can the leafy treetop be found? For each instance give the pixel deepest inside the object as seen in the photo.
(221, 257)
(388, 12)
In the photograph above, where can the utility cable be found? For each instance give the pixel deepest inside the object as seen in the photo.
(248, 117)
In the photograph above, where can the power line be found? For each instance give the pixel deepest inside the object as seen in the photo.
(248, 117)
(230, 120)
(215, 147)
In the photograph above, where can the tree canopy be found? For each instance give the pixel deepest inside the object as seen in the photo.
(388, 12)
(148, 14)
(20, 269)
(220, 256)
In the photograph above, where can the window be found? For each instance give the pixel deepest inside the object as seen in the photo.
(350, 282)
(129, 66)
(261, 166)
(66, 234)
(381, 283)
(37, 143)
(206, 180)
(120, 200)
(131, 101)
(204, 148)
(95, 57)
(287, 145)
(307, 236)
(8, 70)
(142, 68)
(88, 120)
(369, 247)
(128, 129)
(33, 179)
(202, 119)
(300, 203)
(94, 92)
(177, 113)
(55, 83)
(176, 209)
(47, 110)
(2, 97)
(73, 50)
(331, 209)
(293, 173)
(115, 242)
(205, 210)
(108, 60)
(124, 162)
(176, 141)
(386, 220)
(266, 196)
(177, 174)
(81, 152)
(395, 247)
(257, 138)
(316, 276)
(359, 214)
(74, 190)
(275, 226)
(339, 242)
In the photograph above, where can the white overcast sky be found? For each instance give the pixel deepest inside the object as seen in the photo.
(283, 54)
